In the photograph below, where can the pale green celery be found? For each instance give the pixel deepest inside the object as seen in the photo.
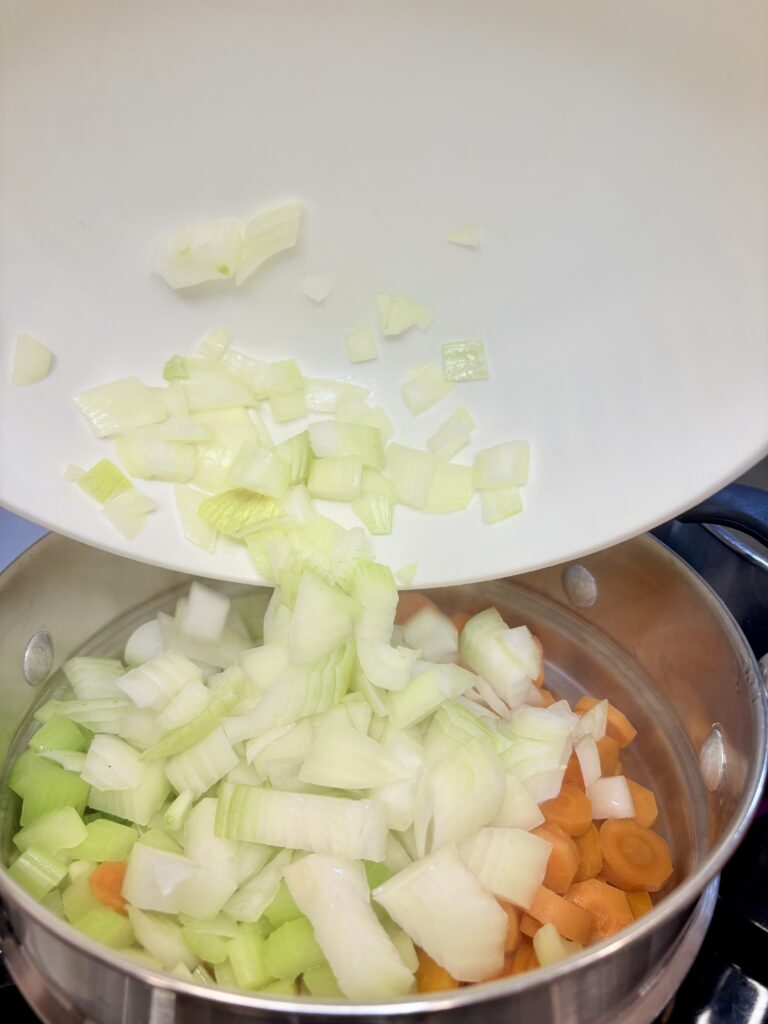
(465, 360)
(450, 489)
(321, 982)
(106, 926)
(285, 408)
(54, 833)
(175, 368)
(260, 469)
(329, 438)
(282, 908)
(58, 733)
(37, 871)
(225, 975)
(47, 788)
(247, 956)
(292, 949)
(282, 987)
(78, 899)
(335, 478)
(500, 503)
(106, 840)
(238, 512)
(103, 481)
(361, 344)
(119, 406)
(425, 387)
(213, 949)
(297, 453)
(398, 313)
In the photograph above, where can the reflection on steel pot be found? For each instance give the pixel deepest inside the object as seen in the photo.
(655, 640)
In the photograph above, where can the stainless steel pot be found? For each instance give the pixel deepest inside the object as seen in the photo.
(632, 623)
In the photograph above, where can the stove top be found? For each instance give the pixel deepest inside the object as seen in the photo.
(728, 983)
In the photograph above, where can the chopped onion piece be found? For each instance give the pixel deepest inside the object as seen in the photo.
(195, 529)
(128, 511)
(154, 879)
(589, 760)
(203, 765)
(216, 342)
(518, 809)
(611, 798)
(446, 912)
(468, 789)
(502, 465)
(318, 286)
(204, 613)
(260, 469)
(322, 619)
(397, 314)
(335, 478)
(329, 438)
(593, 722)
(363, 958)
(343, 758)
(155, 683)
(411, 471)
(500, 503)
(31, 360)
(468, 236)
(453, 435)
(120, 406)
(285, 408)
(198, 252)
(361, 344)
(425, 387)
(432, 633)
(545, 785)
(238, 512)
(550, 947)
(407, 574)
(508, 862)
(152, 459)
(103, 481)
(375, 504)
(210, 386)
(450, 489)
(521, 646)
(323, 395)
(465, 360)
(111, 764)
(266, 235)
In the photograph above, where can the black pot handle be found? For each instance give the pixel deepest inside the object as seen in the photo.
(738, 506)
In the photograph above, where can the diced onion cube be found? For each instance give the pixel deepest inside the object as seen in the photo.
(31, 360)
(464, 361)
(361, 344)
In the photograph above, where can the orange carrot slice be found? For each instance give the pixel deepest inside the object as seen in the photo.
(608, 749)
(460, 619)
(607, 905)
(512, 940)
(431, 977)
(571, 809)
(573, 776)
(524, 958)
(639, 903)
(546, 697)
(618, 726)
(634, 857)
(571, 921)
(106, 882)
(646, 810)
(563, 861)
(529, 925)
(590, 855)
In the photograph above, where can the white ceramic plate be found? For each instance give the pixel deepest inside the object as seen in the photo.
(614, 155)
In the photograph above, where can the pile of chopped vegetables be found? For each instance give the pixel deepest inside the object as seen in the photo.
(332, 791)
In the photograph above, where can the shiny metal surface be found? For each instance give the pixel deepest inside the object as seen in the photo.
(656, 641)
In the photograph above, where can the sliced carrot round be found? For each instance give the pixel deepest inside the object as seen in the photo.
(571, 809)
(524, 958)
(546, 697)
(639, 903)
(514, 935)
(590, 855)
(634, 857)
(431, 977)
(563, 860)
(571, 921)
(529, 925)
(608, 750)
(573, 776)
(607, 905)
(646, 809)
(106, 882)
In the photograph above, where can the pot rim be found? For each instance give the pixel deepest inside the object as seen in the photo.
(673, 904)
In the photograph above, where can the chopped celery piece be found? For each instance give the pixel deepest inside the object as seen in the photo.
(296, 452)
(58, 733)
(106, 926)
(468, 236)
(282, 908)
(452, 435)
(502, 465)
(450, 489)
(331, 438)
(376, 874)
(106, 840)
(206, 251)
(203, 765)
(465, 360)
(56, 831)
(500, 503)
(103, 481)
(292, 949)
(265, 235)
(175, 369)
(289, 407)
(50, 787)
(360, 953)
(318, 286)
(282, 987)
(260, 469)
(55, 903)
(152, 459)
(238, 512)
(216, 342)
(24, 771)
(425, 387)
(426, 692)
(78, 898)
(247, 957)
(31, 360)
(361, 344)
(213, 949)
(119, 406)
(138, 805)
(398, 313)
(411, 471)
(321, 982)
(303, 821)
(37, 871)
(335, 478)
(197, 530)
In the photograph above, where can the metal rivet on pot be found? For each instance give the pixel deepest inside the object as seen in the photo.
(38, 658)
(579, 585)
(712, 759)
